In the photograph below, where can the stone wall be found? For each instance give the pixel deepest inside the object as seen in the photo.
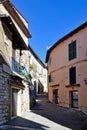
(25, 98)
(4, 94)
(5, 45)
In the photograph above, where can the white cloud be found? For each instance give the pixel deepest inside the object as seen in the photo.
(48, 47)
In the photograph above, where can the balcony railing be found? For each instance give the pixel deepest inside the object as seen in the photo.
(21, 70)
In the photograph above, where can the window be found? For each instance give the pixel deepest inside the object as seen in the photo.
(55, 96)
(72, 50)
(49, 78)
(72, 75)
(74, 99)
(6, 40)
(86, 55)
(0, 11)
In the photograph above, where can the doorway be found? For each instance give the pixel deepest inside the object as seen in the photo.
(55, 97)
(14, 101)
(74, 99)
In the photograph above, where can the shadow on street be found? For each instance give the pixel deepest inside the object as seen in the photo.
(48, 116)
(20, 123)
(69, 118)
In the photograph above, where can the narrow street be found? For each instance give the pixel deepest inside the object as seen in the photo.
(48, 116)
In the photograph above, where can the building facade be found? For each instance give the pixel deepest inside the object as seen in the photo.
(36, 69)
(14, 34)
(67, 69)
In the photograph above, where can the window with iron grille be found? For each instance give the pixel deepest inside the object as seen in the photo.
(72, 50)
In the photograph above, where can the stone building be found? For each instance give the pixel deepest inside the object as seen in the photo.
(14, 90)
(67, 69)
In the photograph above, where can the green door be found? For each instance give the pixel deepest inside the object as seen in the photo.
(74, 99)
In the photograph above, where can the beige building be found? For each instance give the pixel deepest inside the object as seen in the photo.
(14, 36)
(36, 69)
(67, 69)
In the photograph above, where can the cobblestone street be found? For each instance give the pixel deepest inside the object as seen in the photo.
(48, 116)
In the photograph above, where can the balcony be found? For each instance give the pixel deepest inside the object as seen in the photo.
(21, 70)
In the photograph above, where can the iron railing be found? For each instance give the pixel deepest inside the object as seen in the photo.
(21, 70)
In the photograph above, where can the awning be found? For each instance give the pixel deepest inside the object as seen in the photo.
(16, 81)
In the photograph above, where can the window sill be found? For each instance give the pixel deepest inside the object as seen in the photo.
(73, 85)
(55, 85)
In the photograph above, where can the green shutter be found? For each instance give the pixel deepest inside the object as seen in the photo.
(72, 50)
(72, 75)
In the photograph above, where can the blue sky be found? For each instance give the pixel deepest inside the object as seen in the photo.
(50, 20)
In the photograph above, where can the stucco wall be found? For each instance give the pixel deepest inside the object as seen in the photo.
(59, 69)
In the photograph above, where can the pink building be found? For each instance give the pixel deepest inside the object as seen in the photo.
(67, 69)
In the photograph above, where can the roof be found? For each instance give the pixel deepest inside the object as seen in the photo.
(13, 12)
(82, 26)
(18, 42)
(35, 55)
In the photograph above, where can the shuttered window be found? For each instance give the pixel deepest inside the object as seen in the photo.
(72, 75)
(49, 78)
(72, 50)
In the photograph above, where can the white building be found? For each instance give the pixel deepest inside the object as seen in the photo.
(36, 68)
